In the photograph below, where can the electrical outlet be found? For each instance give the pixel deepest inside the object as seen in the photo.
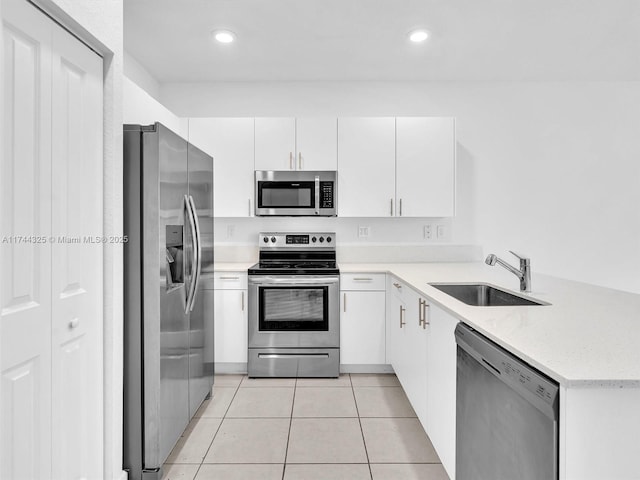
(231, 229)
(427, 232)
(441, 232)
(363, 232)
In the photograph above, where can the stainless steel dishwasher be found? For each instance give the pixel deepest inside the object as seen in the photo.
(506, 414)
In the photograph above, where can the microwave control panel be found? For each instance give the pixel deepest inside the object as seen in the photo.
(326, 194)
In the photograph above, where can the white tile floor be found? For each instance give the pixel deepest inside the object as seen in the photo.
(351, 428)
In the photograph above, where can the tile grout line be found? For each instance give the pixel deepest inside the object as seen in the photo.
(217, 429)
(364, 442)
(286, 450)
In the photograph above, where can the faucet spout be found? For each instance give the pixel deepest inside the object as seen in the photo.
(523, 274)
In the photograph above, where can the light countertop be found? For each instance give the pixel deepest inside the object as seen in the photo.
(588, 337)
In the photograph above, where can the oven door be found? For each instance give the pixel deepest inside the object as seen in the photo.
(294, 311)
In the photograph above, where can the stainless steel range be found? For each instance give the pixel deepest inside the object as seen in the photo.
(294, 307)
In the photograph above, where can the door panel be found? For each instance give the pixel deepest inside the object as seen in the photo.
(425, 166)
(275, 143)
(25, 251)
(76, 259)
(230, 142)
(167, 383)
(201, 317)
(366, 155)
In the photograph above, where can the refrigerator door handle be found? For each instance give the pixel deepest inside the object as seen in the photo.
(198, 257)
(195, 256)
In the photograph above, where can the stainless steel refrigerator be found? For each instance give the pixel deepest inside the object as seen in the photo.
(168, 318)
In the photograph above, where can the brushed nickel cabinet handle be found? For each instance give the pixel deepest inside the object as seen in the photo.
(420, 311)
(402, 322)
(362, 279)
(229, 278)
(400, 207)
(290, 160)
(299, 161)
(397, 285)
(242, 300)
(391, 212)
(344, 302)
(249, 202)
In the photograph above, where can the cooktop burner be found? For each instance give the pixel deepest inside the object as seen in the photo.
(296, 254)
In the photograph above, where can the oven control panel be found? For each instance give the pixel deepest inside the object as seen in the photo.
(325, 240)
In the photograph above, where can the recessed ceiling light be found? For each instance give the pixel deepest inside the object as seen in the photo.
(418, 36)
(224, 36)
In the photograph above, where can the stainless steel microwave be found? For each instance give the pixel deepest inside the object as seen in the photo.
(296, 193)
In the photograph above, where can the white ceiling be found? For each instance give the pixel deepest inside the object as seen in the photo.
(352, 40)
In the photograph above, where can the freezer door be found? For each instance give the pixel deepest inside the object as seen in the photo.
(166, 325)
(201, 317)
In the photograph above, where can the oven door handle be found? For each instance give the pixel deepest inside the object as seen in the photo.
(293, 280)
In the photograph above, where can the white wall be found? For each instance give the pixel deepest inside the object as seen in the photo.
(546, 169)
(141, 108)
(140, 76)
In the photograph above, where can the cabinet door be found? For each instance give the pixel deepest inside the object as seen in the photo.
(414, 380)
(230, 142)
(77, 264)
(366, 176)
(441, 392)
(231, 337)
(25, 210)
(317, 144)
(425, 166)
(362, 327)
(275, 141)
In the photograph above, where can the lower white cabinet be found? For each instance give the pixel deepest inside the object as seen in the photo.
(441, 392)
(408, 343)
(362, 319)
(421, 348)
(230, 310)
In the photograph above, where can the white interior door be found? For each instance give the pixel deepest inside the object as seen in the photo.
(25, 253)
(77, 259)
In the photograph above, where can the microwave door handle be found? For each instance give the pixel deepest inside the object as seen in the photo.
(198, 250)
(317, 191)
(192, 229)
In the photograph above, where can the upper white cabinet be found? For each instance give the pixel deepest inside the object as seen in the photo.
(275, 143)
(403, 167)
(317, 143)
(283, 143)
(366, 173)
(230, 142)
(425, 166)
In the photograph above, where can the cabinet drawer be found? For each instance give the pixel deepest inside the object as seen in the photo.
(362, 281)
(230, 280)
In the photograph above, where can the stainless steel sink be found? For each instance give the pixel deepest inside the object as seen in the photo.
(484, 295)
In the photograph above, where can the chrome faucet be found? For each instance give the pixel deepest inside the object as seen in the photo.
(524, 274)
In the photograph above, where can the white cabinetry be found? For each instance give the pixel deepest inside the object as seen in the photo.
(362, 319)
(402, 167)
(441, 391)
(230, 142)
(366, 172)
(51, 285)
(230, 317)
(407, 343)
(286, 143)
(425, 166)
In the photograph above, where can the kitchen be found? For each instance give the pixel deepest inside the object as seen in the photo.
(545, 100)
